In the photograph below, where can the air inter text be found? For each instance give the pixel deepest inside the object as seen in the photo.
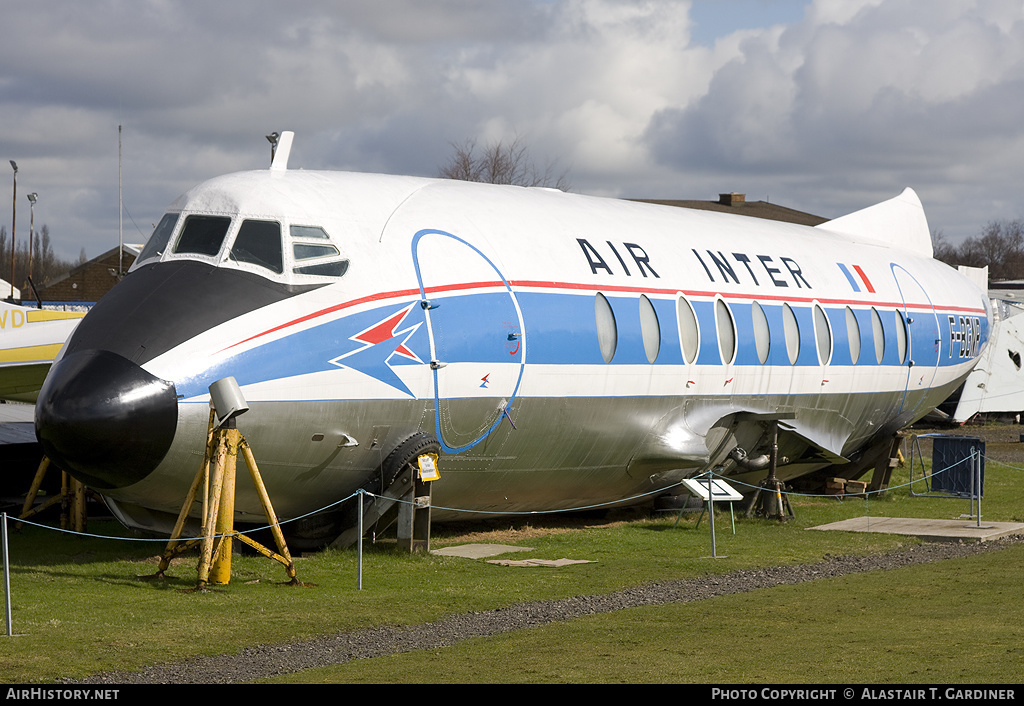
(720, 267)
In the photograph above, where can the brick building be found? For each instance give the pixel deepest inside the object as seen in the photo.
(88, 282)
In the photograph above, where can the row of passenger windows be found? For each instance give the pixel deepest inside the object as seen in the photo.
(257, 243)
(690, 333)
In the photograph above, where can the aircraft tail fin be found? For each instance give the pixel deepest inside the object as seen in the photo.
(897, 223)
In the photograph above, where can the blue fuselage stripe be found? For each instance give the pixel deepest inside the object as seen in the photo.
(560, 329)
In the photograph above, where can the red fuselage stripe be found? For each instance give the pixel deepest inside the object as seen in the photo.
(534, 284)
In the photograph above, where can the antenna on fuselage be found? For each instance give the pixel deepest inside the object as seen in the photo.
(280, 149)
(272, 139)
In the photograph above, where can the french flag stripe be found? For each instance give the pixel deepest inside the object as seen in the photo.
(864, 278)
(849, 277)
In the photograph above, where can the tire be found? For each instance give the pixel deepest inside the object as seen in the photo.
(316, 532)
(404, 454)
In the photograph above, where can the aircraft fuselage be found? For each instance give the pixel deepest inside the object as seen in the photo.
(563, 350)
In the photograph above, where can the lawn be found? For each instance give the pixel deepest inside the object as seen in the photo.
(79, 606)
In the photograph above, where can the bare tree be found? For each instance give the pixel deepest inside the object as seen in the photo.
(1000, 245)
(501, 163)
(45, 264)
(943, 250)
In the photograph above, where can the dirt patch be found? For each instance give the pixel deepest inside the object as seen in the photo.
(1002, 440)
(511, 531)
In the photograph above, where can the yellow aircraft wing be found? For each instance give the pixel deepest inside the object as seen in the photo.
(29, 341)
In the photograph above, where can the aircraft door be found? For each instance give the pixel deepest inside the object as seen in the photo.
(477, 338)
(921, 326)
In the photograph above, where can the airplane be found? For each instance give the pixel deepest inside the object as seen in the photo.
(995, 384)
(29, 341)
(559, 351)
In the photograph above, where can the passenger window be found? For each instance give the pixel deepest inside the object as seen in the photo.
(650, 329)
(792, 331)
(762, 333)
(853, 334)
(157, 242)
(689, 332)
(726, 331)
(823, 335)
(901, 337)
(259, 243)
(607, 334)
(879, 334)
(202, 235)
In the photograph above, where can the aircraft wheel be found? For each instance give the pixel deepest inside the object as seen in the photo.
(406, 453)
(317, 531)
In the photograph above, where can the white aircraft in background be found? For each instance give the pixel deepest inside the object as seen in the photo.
(996, 385)
(29, 341)
(559, 350)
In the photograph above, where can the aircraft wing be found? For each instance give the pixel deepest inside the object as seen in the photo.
(29, 341)
(691, 438)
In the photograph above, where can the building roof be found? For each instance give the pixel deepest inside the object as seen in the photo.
(131, 249)
(86, 283)
(737, 204)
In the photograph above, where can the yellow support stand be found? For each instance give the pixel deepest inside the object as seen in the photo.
(216, 479)
(72, 498)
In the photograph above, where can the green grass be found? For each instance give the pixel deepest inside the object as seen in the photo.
(923, 624)
(79, 608)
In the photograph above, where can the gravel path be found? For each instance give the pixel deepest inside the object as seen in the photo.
(272, 660)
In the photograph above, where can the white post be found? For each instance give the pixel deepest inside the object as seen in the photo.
(359, 542)
(977, 482)
(711, 514)
(7, 575)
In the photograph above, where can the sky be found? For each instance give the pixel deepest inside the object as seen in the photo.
(826, 106)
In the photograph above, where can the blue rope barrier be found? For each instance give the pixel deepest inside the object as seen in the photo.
(531, 513)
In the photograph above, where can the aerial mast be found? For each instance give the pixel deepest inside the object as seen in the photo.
(14, 219)
(120, 212)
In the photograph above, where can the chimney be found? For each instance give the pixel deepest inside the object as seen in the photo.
(731, 199)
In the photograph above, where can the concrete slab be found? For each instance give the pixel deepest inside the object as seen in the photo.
(540, 562)
(934, 530)
(479, 551)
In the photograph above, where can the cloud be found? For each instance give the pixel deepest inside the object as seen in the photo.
(866, 98)
(827, 113)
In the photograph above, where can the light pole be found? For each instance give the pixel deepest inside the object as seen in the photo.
(32, 198)
(14, 220)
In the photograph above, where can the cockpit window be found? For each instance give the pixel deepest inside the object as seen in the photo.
(259, 243)
(157, 242)
(316, 257)
(308, 233)
(306, 251)
(202, 235)
(327, 269)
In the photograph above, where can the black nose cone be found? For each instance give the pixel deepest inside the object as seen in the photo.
(104, 419)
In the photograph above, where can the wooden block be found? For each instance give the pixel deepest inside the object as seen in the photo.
(856, 487)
